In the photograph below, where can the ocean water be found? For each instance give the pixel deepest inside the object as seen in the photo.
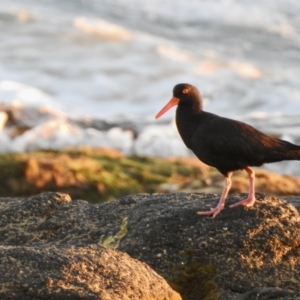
(95, 72)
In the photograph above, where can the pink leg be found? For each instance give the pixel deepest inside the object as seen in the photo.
(251, 197)
(215, 211)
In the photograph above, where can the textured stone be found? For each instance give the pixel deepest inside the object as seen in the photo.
(248, 247)
(49, 249)
(52, 246)
(54, 218)
(82, 272)
(267, 293)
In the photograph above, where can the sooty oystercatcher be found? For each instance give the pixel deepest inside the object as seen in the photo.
(225, 144)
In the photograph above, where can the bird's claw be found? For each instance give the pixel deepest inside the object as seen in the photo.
(213, 211)
(246, 202)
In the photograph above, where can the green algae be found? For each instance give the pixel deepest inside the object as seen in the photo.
(88, 174)
(96, 175)
(113, 241)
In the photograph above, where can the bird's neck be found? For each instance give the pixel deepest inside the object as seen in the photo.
(187, 119)
(190, 108)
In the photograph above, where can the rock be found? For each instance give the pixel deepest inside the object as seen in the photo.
(51, 244)
(242, 248)
(49, 249)
(54, 218)
(294, 200)
(83, 272)
(266, 293)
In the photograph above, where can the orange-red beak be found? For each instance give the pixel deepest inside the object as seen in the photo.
(174, 101)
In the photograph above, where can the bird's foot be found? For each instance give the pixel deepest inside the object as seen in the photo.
(213, 211)
(247, 202)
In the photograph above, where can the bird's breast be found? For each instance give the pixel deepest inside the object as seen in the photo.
(188, 125)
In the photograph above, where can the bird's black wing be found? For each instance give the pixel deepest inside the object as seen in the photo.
(230, 145)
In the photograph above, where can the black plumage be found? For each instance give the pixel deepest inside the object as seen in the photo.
(223, 143)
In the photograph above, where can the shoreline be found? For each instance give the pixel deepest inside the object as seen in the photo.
(102, 174)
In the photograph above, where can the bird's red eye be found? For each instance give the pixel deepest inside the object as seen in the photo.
(185, 91)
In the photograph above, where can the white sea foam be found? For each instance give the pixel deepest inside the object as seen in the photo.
(102, 28)
(25, 16)
(21, 95)
(160, 140)
(173, 53)
(54, 134)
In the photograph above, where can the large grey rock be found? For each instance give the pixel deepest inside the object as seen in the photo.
(54, 218)
(49, 249)
(251, 253)
(83, 272)
(242, 248)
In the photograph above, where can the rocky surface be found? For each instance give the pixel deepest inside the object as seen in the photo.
(54, 218)
(49, 249)
(52, 246)
(267, 293)
(241, 249)
(83, 272)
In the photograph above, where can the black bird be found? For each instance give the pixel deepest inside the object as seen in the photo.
(223, 143)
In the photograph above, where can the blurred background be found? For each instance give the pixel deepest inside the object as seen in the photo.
(95, 72)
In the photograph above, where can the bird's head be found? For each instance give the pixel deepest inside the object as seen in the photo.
(183, 94)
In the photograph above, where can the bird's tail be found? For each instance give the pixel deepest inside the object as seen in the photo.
(284, 151)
